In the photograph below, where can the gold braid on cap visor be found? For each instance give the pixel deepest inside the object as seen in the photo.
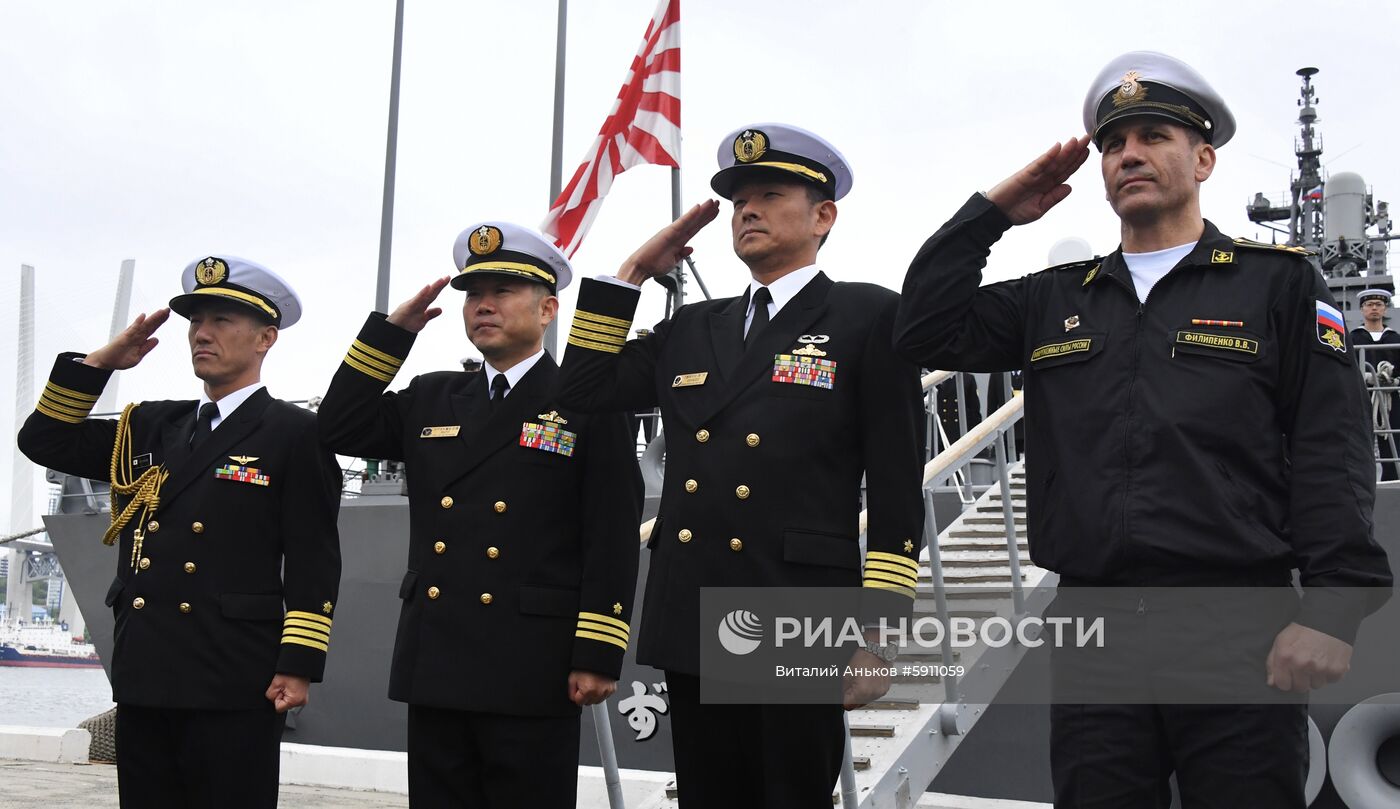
(242, 296)
(514, 267)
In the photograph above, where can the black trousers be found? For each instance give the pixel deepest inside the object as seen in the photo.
(736, 756)
(1224, 756)
(465, 760)
(1179, 687)
(176, 759)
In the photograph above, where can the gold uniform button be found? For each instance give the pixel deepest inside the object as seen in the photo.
(439, 547)
(702, 436)
(691, 486)
(736, 544)
(486, 598)
(685, 535)
(500, 506)
(138, 602)
(189, 567)
(152, 526)
(493, 553)
(447, 502)
(742, 492)
(185, 607)
(198, 528)
(144, 563)
(433, 593)
(751, 439)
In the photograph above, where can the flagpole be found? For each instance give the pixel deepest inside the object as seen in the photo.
(556, 160)
(386, 216)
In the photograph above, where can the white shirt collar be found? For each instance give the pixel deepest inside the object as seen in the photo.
(229, 403)
(784, 289)
(516, 372)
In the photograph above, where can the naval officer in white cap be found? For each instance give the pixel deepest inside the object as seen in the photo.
(1193, 419)
(224, 511)
(778, 401)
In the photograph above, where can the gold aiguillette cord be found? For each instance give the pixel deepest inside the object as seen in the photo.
(143, 493)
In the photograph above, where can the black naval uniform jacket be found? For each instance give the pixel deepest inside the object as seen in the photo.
(1210, 433)
(763, 477)
(245, 526)
(523, 515)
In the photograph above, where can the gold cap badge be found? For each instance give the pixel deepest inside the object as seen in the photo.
(210, 271)
(750, 146)
(1130, 90)
(486, 240)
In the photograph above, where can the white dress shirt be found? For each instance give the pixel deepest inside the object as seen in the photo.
(516, 372)
(228, 404)
(783, 290)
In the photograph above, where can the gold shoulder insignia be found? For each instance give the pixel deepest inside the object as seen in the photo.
(1287, 248)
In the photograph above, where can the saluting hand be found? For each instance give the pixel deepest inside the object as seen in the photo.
(587, 688)
(668, 247)
(287, 691)
(414, 313)
(1026, 195)
(133, 344)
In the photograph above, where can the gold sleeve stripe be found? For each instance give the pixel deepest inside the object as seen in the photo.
(309, 634)
(899, 570)
(54, 414)
(72, 394)
(366, 370)
(305, 624)
(55, 404)
(582, 319)
(886, 586)
(605, 619)
(590, 626)
(310, 616)
(605, 348)
(580, 332)
(305, 642)
(387, 359)
(604, 638)
(377, 364)
(63, 398)
(892, 578)
(890, 557)
(604, 319)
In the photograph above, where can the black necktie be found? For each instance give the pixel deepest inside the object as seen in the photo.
(207, 413)
(761, 299)
(499, 386)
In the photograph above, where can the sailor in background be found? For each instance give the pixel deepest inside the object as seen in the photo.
(1375, 303)
(224, 510)
(523, 545)
(775, 403)
(1193, 418)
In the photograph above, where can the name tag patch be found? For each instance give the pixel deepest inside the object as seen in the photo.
(440, 432)
(548, 438)
(242, 474)
(1061, 349)
(690, 380)
(1224, 342)
(794, 370)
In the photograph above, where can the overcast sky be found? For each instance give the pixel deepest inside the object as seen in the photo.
(166, 131)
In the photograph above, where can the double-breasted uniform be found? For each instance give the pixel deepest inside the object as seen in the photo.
(228, 567)
(522, 550)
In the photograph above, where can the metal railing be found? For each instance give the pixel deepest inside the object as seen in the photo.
(1380, 370)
